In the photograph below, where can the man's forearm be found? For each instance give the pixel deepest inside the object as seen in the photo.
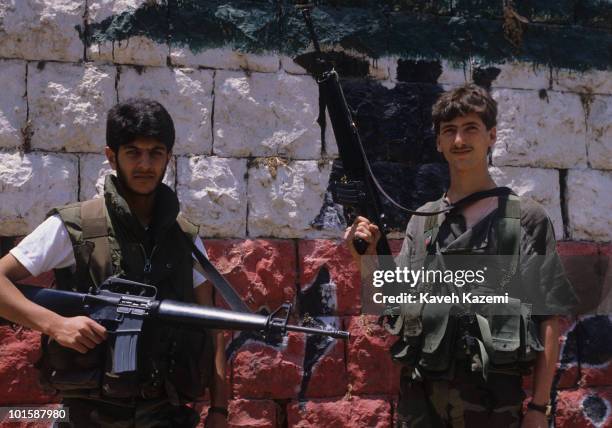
(219, 389)
(16, 308)
(546, 362)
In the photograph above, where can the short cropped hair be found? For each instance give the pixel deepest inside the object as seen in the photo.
(138, 118)
(461, 101)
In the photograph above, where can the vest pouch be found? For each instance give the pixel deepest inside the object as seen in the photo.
(506, 328)
(65, 369)
(439, 332)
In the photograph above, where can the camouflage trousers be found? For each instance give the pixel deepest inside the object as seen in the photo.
(144, 413)
(466, 401)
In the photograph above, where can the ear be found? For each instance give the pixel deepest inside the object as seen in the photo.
(492, 136)
(111, 156)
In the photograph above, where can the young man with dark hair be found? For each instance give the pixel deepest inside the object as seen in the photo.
(458, 392)
(134, 232)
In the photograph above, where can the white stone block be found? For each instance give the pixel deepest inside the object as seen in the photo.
(588, 82)
(30, 185)
(13, 108)
(542, 185)
(212, 192)
(599, 132)
(266, 115)
(539, 130)
(590, 205)
(453, 73)
(380, 69)
(41, 29)
(137, 50)
(94, 168)
(284, 198)
(521, 75)
(68, 106)
(290, 66)
(185, 93)
(225, 59)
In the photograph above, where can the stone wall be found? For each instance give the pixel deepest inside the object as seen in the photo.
(252, 165)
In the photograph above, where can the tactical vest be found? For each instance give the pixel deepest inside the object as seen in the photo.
(107, 240)
(434, 336)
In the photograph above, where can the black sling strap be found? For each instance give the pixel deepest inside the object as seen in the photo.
(220, 283)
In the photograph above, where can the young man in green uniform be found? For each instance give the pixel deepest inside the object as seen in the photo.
(463, 394)
(132, 232)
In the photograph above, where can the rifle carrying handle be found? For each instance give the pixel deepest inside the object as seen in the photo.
(360, 245)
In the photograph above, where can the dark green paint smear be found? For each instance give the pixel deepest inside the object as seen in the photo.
(563, 34)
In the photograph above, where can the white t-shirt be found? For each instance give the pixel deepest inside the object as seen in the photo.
(49, 247)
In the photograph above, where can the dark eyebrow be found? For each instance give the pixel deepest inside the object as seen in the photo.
(470, 123)
(450, 125)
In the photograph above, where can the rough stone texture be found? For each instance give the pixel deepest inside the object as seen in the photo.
(599, 132)
(345, 281)
(290, 66)
(568, 368)
(94, 168)
(13, 107)
(350, 413)
(19, 351)
(284, 198)
(262, 271)
(68, 105)
(212, 192)
(186, 94)
(30, 185)
(140, 50)
(252, 414)
(605, 305)
(277, 115)
(588, 81)
(452, 73)
(224, 59)
(136, 50)
(522, 75)
(542, 185)
(596, 350)
(582, 264)
(41, 30)
(589, 205)
(325, 372)
(263, 371)
(584, 408)
(539, 129)
(368, 353)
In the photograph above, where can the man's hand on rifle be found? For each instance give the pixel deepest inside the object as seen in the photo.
(364, 229)
(78, 333)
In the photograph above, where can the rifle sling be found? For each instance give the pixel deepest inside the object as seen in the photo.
(220, 283)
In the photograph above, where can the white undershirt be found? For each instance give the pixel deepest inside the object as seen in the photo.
(49, 247)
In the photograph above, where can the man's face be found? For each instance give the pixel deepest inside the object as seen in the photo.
(140, 165)
(465, 141)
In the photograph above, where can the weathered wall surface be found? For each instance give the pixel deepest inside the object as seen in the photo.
(252, 165)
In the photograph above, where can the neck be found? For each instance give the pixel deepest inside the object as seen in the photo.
(464, 183)
(141, 206)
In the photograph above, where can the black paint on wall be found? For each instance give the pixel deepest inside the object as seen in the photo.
(588, 342)
(420, 71)
(484, 76)
(567, 34)
(595, 409)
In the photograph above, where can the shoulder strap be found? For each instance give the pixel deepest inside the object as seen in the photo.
(94, 228)
(508, 233)
(509, 225)
(231, 297)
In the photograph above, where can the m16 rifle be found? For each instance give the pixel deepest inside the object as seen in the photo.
(122, 306)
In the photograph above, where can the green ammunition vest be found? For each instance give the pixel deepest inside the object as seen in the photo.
(506, 341)
(108, 240)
